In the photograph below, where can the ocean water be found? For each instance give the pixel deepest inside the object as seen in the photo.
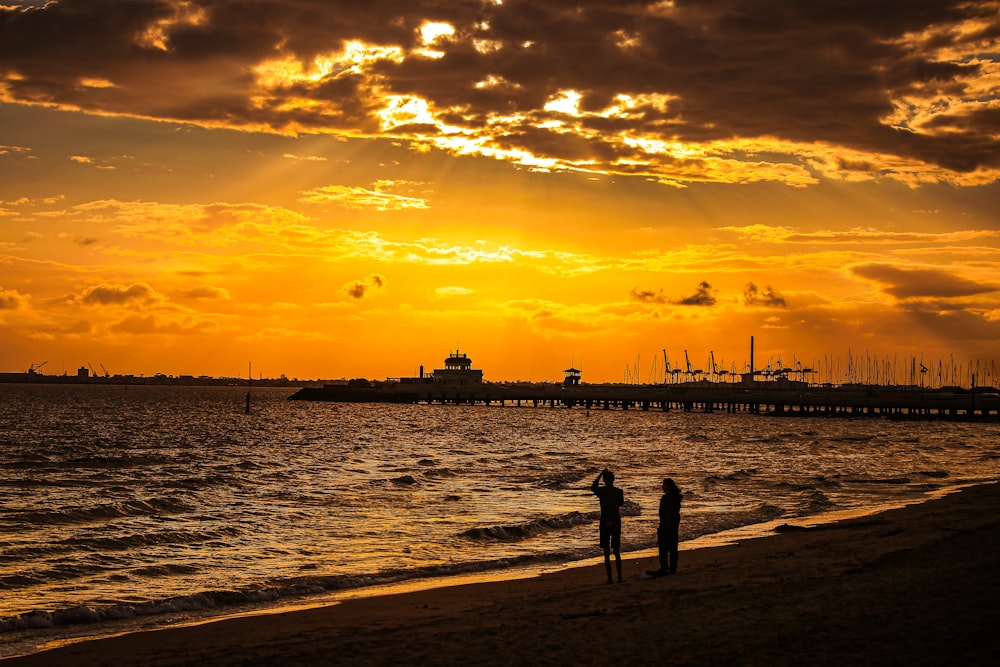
(142, 504)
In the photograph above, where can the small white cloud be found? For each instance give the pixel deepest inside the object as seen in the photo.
(450, 291)
(304, 158)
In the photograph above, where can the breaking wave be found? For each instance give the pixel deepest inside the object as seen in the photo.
(101, 512)
(529, 529)
(221, 600)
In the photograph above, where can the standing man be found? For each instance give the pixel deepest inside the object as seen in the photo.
(612, 498)
(667, 533)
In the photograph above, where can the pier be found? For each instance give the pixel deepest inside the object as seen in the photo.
(458, 383)
(783, 398)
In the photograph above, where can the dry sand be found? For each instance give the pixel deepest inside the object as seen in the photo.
(913, 586)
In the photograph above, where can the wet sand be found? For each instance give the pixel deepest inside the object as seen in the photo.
(913, 586)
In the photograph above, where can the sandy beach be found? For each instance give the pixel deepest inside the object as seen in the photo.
(914, 586)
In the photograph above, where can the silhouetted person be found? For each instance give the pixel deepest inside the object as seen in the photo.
(666, 533)
(612, 498)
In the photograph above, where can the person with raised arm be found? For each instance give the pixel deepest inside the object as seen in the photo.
(612, 498)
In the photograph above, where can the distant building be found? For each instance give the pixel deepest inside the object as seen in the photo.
(457, 371)
(83, 372)
(572, 378)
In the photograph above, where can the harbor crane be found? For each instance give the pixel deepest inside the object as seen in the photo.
(672, 370)
(35, 368)
(666, 366)
(691, 373)
(782, 371)
(106, 373)
(715, 369)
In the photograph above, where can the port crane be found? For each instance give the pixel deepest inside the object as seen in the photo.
(672, 370)
(691, 373)
(715, 369)
(782, 371)
(35, 368)
(802, 370)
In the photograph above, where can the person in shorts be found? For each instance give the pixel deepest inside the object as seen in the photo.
(612, 498)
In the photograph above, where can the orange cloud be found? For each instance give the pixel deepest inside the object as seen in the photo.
(12, 299)
(692, 94)
(105, 295)
(157, 325)
(363, 198)
(909, 283)
(206, 292)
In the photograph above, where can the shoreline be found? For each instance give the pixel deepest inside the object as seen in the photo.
(911, 584)
(32, 641)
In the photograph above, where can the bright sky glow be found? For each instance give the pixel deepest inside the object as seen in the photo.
(431, 32)
(566, 102)
(186, 187)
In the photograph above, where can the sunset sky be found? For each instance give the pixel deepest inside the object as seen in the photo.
(345, 189)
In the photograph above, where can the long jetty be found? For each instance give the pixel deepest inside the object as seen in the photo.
(773, 398)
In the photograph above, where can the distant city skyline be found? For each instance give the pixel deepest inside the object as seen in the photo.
(352, 190)
(861, 368)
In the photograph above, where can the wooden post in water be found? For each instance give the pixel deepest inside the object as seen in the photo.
(249, 383)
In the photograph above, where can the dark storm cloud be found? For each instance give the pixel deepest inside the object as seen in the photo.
(824, 72)
(921, 283)
(703, 297)
(768, 297)
(359, 289)
(647, 296)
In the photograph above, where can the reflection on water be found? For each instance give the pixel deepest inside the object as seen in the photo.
(126, 501)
